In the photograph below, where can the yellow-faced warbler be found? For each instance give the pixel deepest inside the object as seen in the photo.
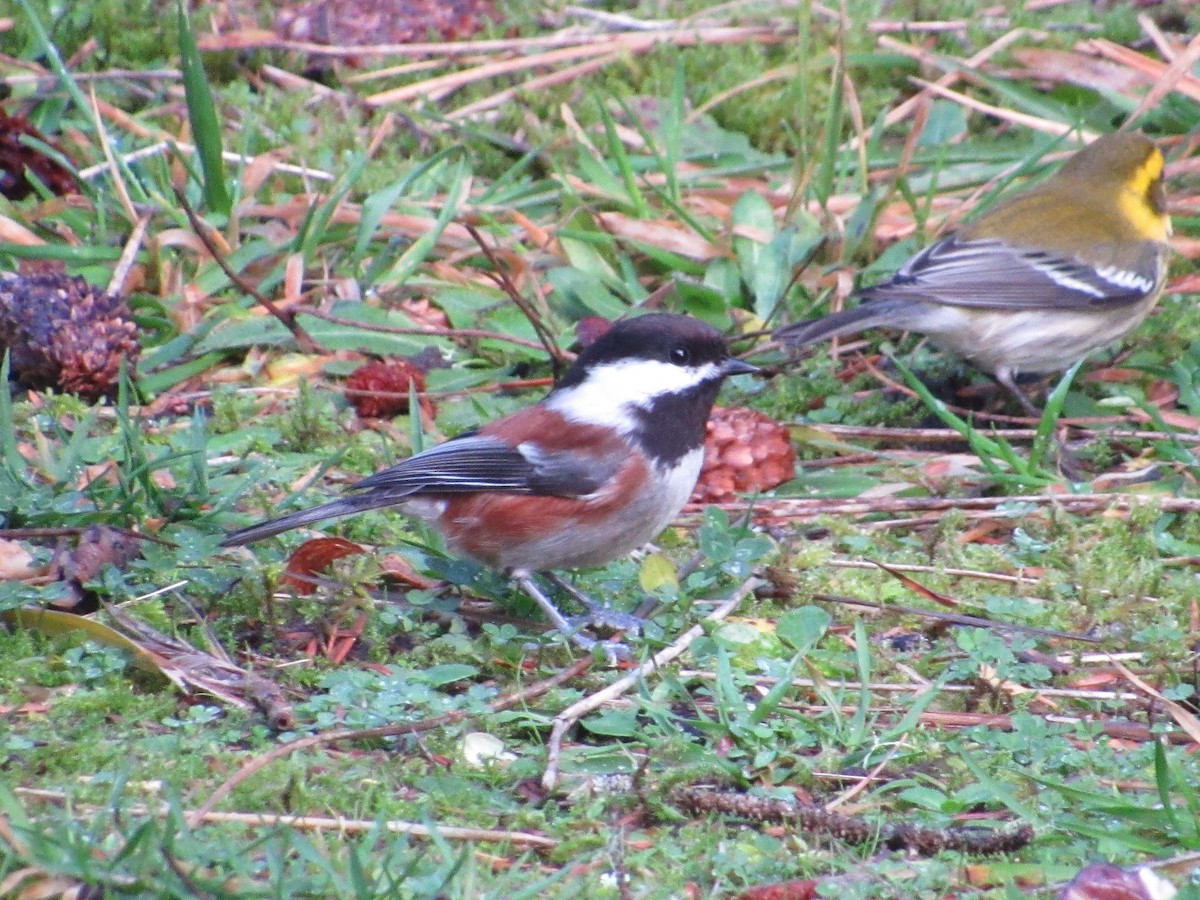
(1038, 281)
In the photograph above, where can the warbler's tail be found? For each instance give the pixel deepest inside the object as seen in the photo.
(882, 313)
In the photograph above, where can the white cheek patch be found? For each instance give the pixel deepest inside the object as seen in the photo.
(606, 396)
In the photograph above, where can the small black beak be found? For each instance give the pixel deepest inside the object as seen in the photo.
(733, 366)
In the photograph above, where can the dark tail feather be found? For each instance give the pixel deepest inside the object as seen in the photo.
(345, 507)
(873, 314)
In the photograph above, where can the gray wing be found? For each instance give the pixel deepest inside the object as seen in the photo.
(991, 274)
(475, 462)
(466, 464)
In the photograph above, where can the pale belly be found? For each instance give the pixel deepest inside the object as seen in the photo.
(1034, 341)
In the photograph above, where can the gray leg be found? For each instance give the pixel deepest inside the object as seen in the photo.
(1068, 463)
(1005, 377)
(615, 651)
(598, 613)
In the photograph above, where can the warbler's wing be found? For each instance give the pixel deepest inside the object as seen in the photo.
(467, 464)
(991, 274)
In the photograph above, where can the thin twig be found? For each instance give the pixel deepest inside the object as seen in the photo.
(884, 687)
(116, 284)
(566, 719)
(1019, 579)
(955, 618)
(527, 88)
(106, 147)
(499, 274)
(165, 145)
(902, 110)
(48, 81)
(630, 41)
(862, 783)
(312, 823)
(1037, 123)
(477, 333)
(800, 508)
(35, 533)
(286, 317)
(1183, 717)
(909, 436)
(1121, 731)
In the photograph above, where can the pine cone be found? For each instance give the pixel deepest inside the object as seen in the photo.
(744, 450)
(63, 333)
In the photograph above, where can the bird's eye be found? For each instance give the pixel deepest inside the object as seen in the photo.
(680, 356)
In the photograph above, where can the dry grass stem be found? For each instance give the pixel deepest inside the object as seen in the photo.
(337, 824)
(797, 508)
(260, 762)
(566, 719)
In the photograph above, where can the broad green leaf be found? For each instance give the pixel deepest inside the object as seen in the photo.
(803, 627)
(656, 572)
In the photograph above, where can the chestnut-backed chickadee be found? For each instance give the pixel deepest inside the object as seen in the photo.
(596, 469)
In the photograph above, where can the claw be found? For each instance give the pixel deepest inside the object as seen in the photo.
(600, 616)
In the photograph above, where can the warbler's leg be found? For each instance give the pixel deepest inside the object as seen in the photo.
(1068, 463)
(1008, 382)
(600, 614)
(615, 651)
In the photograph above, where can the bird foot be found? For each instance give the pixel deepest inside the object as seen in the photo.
(605, 617)
(598, 615)
(615, 652)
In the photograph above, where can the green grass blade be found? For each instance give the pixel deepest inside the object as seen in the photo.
(314, 231)
(459, 181)
(202, 114)
(624, 167)
(14, 463)
(782, 687)
(1162, 781)
(1050, 416)
(376, 206)
(985, 448)
(47, 48)
(823, 185)
(859, 731)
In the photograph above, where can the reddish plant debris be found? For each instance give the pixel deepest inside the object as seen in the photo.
(422, 312)
(96, 548)
(1104, 881)
(18, 160)
(353, 23)
(16, 562)
(744, 450)
(401, 571)
(63, 333)
(799, 889)
(311, 559)
(590, 329)
(382, 388)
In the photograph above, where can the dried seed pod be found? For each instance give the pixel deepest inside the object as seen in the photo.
(744, 451)
(19, 160)
(63, 333)
(382, 388)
